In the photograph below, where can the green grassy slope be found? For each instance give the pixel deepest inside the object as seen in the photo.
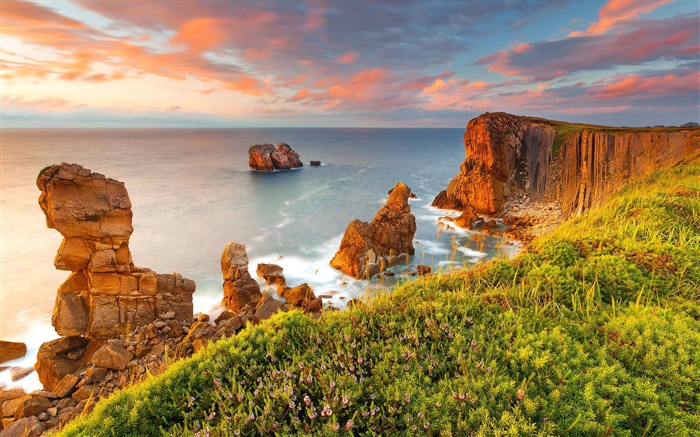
(594, 331)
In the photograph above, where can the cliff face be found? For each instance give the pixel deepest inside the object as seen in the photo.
(595, 164)
(512, 159)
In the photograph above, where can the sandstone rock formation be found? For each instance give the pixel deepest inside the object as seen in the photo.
(368, 248)
(240, 289)
(264, 157)
(516, 164)
(106, 294)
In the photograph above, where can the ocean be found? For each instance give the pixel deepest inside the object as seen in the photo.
(192, 192)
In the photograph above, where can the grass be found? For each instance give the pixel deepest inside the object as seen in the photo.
(595, 330)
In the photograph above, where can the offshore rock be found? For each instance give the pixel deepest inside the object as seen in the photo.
(369, 248)
(106, 294)
(240, 289)
(264, 157)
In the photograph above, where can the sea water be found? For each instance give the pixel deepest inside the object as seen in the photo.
(192, 192)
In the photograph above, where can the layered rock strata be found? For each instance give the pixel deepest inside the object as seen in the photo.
(369, 248)
(517, 165)
(106, 294)
(264, 157)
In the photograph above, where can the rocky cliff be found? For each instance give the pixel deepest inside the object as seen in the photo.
(368, 248)
(513, 162)
(106, 294)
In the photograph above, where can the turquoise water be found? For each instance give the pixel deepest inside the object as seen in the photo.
(192, 192)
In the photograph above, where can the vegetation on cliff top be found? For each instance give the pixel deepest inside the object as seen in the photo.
(595, 330)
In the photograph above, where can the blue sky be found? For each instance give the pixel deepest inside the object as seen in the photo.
(347, 63)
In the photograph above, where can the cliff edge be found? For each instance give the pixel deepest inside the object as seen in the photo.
(515, 164)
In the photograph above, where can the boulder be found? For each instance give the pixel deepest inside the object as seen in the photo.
(27, 427)
(31, 405)
(369, 248)
(10, 350)
(106, 295)
(112, 356)
(58, 358)
(240, 288)
(315, 163)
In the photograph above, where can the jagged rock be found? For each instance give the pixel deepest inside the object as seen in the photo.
(300, 295)
(112, 356)
(27, 427)
(53, 361)
(10, 350)
(107, 294)
(369, 248)
(264, 157)
(240, 288)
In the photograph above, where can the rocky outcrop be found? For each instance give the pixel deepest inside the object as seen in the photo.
(106, 294)
(240, 289)
(516, 164)
(368, 248)
(264, 157)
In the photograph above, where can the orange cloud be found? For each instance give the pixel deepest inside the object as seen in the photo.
(201, 34)
(617, 11)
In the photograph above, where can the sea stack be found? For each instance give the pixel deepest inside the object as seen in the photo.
(106, 294)
(265, 158)
(369, 248)
(240, 289)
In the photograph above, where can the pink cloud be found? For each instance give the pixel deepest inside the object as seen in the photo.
(618, 11)
(650, 41)
(635, 86)
(348, 58)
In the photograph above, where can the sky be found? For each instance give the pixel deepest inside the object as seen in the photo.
(199, 63)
